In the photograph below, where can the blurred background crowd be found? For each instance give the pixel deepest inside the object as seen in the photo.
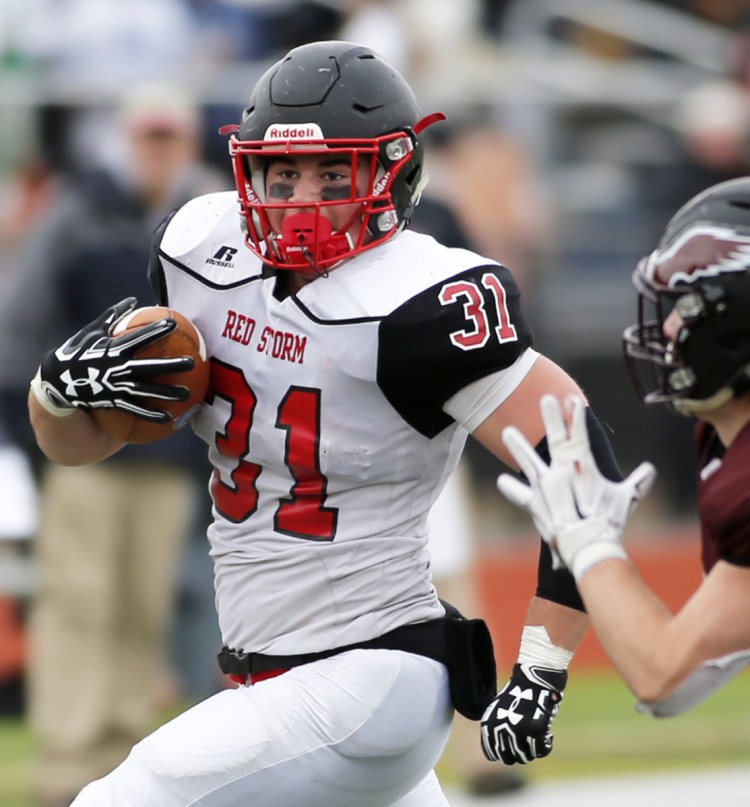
(575, 128)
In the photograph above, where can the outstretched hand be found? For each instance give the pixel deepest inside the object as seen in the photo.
(579, 513)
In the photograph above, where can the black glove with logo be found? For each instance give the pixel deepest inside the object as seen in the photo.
(516, 726)
(94, 369)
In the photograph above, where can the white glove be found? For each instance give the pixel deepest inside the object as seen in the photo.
(18, 495)
(579, 513)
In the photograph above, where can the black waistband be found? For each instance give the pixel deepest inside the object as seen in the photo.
(423, 638)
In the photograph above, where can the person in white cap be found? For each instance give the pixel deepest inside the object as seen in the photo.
(105, 558)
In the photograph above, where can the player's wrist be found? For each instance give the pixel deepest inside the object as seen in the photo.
(48, 397)
(537, 649)
(595, 554)
(589, 543)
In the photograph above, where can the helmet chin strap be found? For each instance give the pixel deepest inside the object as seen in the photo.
(694, 407)
(738, 385)
(311, 236)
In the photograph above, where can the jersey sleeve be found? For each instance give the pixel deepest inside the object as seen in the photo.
(726, 520)
(731, 531)
(447, 336)
(724, 499)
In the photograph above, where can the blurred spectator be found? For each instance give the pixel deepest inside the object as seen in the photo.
(285, 24)
(713, 126)
(26, 192)
(714, 120)
(256, 30)
(101, 45)
(236, 39)
(731, 13)
(381, 25)
(430, 44)
(492, 15)
(455, 24)
(83, 54)
(100, 618)
(491, 180)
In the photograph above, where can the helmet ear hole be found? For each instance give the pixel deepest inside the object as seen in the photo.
(413, 176)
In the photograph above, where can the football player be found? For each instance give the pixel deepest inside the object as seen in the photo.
(350, 359)
(693, 338)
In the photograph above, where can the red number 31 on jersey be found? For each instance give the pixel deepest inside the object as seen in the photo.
(479, 329)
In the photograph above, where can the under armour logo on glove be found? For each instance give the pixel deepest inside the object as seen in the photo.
(90, 382)
(516, 726)
(94, 369)
(511, 712)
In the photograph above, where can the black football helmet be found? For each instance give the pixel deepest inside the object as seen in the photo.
(701, 269)
(330, 97)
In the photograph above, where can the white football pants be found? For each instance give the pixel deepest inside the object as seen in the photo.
(360, 729)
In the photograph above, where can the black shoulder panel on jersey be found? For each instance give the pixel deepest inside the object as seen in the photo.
(558, 585)
(155, 271)
(445, 337)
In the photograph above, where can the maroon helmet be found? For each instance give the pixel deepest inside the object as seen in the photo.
(701, 269)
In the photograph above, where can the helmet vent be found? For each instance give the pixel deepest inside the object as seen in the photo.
(365, 108)
(741, 205)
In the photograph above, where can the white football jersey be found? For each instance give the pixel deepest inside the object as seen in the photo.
(325, 424)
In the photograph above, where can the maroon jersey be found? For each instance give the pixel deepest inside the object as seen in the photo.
(724, 496)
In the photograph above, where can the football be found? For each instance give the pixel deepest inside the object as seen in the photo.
(185, 340)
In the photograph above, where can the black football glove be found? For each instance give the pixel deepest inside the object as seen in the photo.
(516, 726)
(96, 370)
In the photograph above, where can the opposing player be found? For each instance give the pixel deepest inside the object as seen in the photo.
(693, 334)
(350, 358)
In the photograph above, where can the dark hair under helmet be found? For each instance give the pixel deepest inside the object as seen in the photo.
(701, 269)
(330, 98)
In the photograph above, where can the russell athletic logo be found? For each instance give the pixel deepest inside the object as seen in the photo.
(224, 256)
(296, 131)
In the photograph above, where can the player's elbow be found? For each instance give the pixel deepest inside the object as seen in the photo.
(653, 690)
(659, 680)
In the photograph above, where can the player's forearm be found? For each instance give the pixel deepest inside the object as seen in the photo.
(635, 629)
(72, 440)
(566, 626)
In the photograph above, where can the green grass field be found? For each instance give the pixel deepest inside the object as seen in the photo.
(597, 733)
(15, 750)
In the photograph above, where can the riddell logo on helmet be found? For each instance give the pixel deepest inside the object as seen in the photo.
(252, 196)
(381, 184)
(297, 131)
